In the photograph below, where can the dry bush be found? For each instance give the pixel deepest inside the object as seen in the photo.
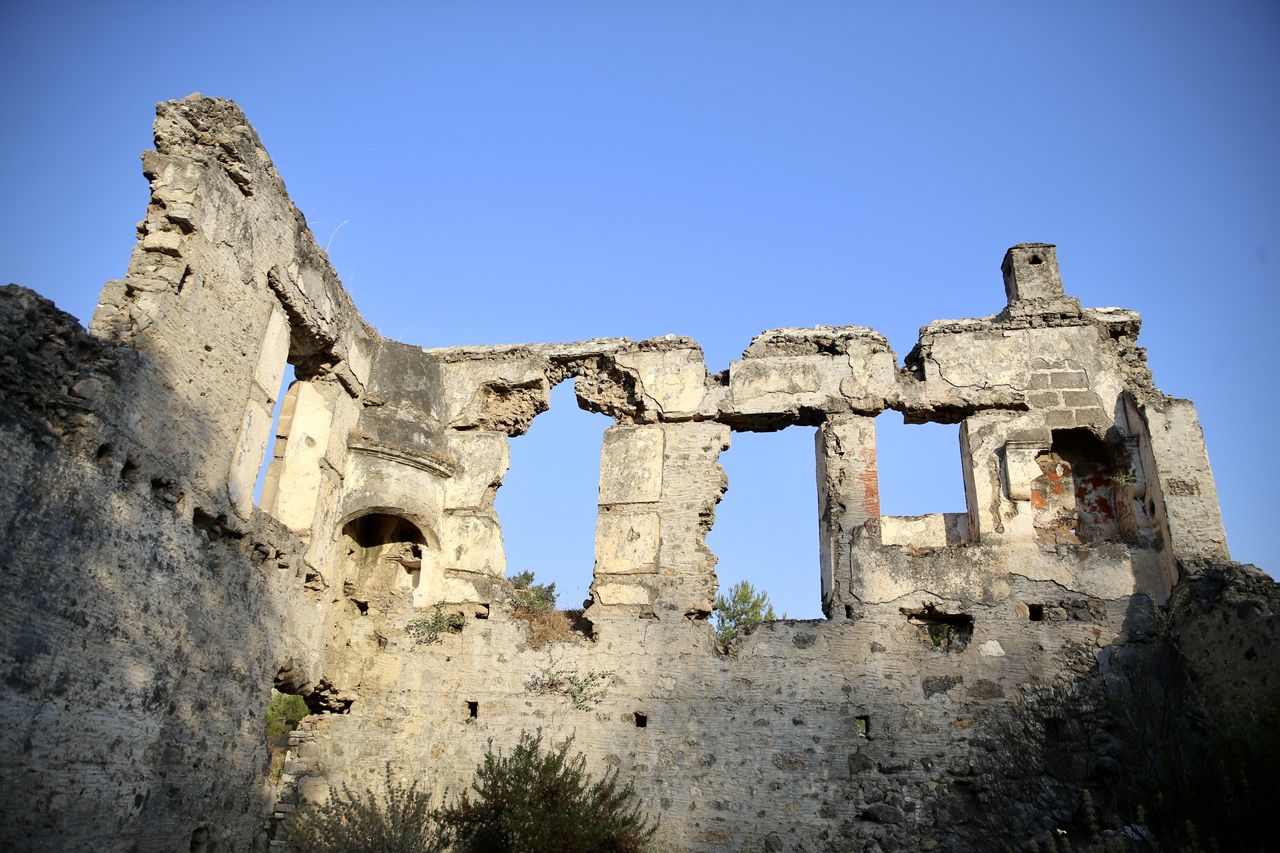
(552, 626)
(535, 604)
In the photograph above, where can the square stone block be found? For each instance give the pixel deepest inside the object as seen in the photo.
(483, 460)
(472, 543)
(675, 380)
(631, 465)
(627, 542)
(622, 593)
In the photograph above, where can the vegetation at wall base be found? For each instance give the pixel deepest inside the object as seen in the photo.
(529, 801)
(397, 820)
(536, 801)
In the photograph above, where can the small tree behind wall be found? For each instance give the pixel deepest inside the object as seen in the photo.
(739, 610)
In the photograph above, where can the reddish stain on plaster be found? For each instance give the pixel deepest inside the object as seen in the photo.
(869, 478)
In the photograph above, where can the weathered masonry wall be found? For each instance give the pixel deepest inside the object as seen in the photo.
(153, 606)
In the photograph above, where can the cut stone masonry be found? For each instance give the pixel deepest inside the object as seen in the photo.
(156, 581)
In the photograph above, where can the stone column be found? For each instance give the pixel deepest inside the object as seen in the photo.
(659, 486)
(848, 496)
(1184, 491)
(294, 480)
(628, 525)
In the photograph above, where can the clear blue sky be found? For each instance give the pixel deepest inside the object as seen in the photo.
(554, 171)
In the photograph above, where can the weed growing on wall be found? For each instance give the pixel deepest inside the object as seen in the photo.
(535, 604)
(536, 801)
(284, 712)
(428, 629)
(583, 690)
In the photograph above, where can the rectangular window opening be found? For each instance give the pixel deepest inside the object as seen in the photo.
(264, 489)
(921, 470)
(473, 710)
(862, 726)
(939, 630)
(1035, 612)
(642, 720)
(548, 502)
(765, 532)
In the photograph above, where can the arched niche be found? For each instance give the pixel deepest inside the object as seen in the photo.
(384, 554)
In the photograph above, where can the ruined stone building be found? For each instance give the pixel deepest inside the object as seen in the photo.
(151, 605)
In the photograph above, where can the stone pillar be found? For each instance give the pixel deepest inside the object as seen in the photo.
(1182, 488)
(692, 484)
(848, 496)
(659, 486)
(628, 525)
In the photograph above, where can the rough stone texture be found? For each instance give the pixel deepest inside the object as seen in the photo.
(144, 625)
(151, 607)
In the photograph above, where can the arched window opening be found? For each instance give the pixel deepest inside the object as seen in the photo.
(766, 527)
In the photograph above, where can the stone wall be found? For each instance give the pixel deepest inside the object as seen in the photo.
(153, 606)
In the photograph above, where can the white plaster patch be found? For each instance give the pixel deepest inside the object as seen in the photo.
(991, 649)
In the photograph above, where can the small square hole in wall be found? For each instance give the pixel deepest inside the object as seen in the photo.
(862, 726)
(1035, 612)
(642, 720)
(848, 611)
(473, 710)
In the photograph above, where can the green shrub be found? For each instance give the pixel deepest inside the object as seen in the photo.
(428, 629)
(742, 608)
(527, 595)
(544, 802)
(284, 712)
(397, 821)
